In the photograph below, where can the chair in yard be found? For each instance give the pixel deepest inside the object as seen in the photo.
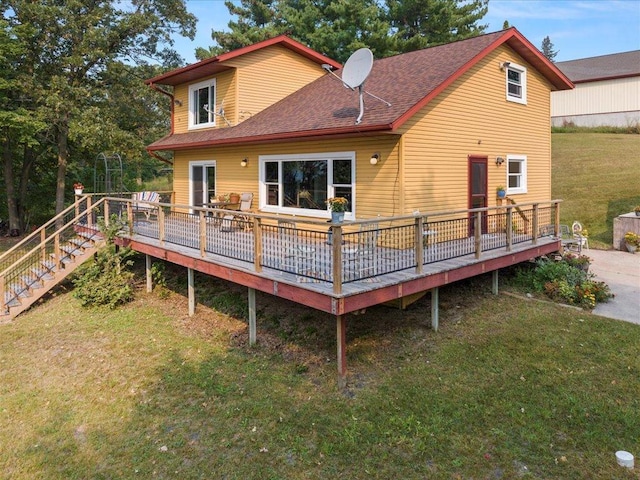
(296, 256)
(578, 235)
(569, 242)
(361, 256)
(142, 203)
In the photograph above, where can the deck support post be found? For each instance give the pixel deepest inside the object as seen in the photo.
(435, 311)
(147, 265)
(192, 292)
(494, 282)
(252, 316)
(341, 337)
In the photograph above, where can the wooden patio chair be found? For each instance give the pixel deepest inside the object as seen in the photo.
(238, 220)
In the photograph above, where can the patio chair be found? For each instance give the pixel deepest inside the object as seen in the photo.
(361, 256)
(230, 221)
(142, 203)
(569, 242)
(296, 256)
(577, 230)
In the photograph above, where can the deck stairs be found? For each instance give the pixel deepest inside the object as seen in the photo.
(46, 257)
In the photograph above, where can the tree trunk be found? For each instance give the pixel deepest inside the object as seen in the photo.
(63, 159)
(12, 204)
(28, 160)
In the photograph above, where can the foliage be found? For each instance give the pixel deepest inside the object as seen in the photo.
(547, 49)
(565, 280)
(337, 204)
(107, 281)
(632, 239)
(337, 29)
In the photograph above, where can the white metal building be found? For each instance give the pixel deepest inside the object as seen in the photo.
(607, 92)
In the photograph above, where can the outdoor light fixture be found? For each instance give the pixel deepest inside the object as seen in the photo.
(374, 158)
(244, 162)
(499, 161)
(177, 102)
(504, 65)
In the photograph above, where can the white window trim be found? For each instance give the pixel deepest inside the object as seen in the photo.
(204, 163)
(523, 83)
(523, 177)
(303, 212)
(193, 106)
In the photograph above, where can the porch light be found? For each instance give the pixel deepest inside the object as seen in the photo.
(499, 161)
(374, 158)
(244, 162)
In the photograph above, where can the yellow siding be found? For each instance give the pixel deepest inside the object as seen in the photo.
(473, 117)
(256, 80)
(268, 75)
(377, 186)
(225, 90)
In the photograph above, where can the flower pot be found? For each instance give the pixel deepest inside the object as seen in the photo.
(631, 248)
(337, 217)
(78, 191)
(501, 193)
(638, 213)
(234, 198)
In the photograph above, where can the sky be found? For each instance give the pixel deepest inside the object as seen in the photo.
(577, 28)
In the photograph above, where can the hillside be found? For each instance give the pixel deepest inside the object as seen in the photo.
(598, 177)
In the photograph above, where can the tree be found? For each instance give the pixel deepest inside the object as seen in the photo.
(547, 49)
(69, 44)
(420, 24)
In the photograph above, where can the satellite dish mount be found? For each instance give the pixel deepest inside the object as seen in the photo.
(356, 70)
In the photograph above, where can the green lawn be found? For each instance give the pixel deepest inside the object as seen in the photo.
(505, 389)
(598, 177)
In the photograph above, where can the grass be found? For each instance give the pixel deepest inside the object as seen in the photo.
(597, 176)
(503, 390)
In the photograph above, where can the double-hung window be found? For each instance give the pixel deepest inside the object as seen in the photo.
(516, 78)
(202, 104)
(516, 174)
(301, 184)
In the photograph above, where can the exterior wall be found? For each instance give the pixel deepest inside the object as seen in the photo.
(268, 75)
(608, 102)
(376, 185)
(256, 80)
(226, 89)
(473, 117)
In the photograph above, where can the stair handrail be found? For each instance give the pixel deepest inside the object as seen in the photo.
(52, 236)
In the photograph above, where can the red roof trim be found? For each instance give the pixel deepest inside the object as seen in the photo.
(301, 136)
(279, 40)
(508, 35)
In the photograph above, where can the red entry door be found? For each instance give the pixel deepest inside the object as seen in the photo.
(478, 188)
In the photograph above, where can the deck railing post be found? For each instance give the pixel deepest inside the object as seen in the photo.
(161, 225)
(556, 220)
(56, 251)
(203, 232)
(478, 233)
(257, 244)
(509, 227)
(130, 217)
(534, 234)
(336, 241)
(419, 243)
(3, 296)
(106, 213)
(43, 245)
(89, 213)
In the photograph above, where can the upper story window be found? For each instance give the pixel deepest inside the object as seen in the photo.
(516, 83)
(202, 104)
(516, 174)
(300, 184)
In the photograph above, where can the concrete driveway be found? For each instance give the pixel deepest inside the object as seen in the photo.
(621, 271)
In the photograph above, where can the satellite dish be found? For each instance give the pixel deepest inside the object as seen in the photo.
(357, 68)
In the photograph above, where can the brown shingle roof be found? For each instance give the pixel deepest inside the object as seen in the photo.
(324, 107)
(616, 65)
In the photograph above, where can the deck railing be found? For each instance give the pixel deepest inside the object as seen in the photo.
(313, 251)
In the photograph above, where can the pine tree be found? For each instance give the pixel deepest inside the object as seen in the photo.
(547, 49)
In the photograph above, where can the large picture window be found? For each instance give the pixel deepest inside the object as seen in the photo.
(202, 104)
(516, 83)
(300, 184)
(516, 174)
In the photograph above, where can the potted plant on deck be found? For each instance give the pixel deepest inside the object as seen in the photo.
(337, 205)
(501, 191)
(78, 188)
(637, 210)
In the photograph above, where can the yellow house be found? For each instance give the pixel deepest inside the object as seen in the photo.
(441, 128)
